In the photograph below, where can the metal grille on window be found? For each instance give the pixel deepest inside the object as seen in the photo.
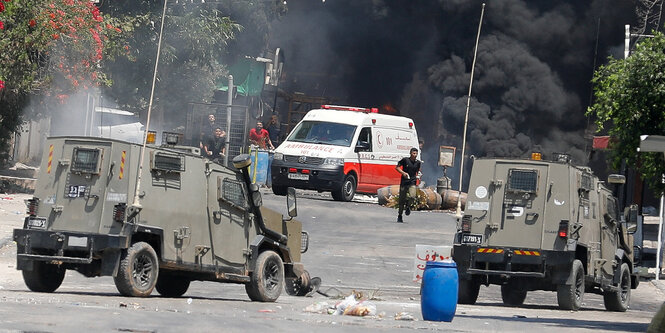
(168, 162)
(586, 183)
(232, 192)
(523, 180)
(85, 160)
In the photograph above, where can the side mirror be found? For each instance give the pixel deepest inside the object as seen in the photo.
(291, 204)
(362, 146)
(630, 215)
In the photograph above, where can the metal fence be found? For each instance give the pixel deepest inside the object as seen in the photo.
(197, 123)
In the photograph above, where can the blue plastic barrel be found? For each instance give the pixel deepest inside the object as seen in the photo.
(259, 167)
(438, 299)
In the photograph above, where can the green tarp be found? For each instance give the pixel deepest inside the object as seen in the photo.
(248, 77)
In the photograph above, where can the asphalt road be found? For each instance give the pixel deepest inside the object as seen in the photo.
(354, 246)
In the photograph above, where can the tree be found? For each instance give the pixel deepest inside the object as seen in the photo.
(629, 102)
(50, 49)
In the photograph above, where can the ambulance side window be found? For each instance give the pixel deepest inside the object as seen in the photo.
(364, 140)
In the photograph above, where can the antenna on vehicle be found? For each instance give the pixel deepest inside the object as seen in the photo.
(136, 206)
(466, 118)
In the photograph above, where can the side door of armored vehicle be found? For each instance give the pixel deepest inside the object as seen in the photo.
(229, 219)
(517, 199)
(608, 231)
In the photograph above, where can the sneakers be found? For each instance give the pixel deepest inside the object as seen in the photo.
(408, 211)
(399, 219)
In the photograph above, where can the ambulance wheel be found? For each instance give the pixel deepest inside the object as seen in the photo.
(511, 295)
(347, 190)
(169, 285)
(267, 279)
(44, 278)
(279, 190)
(468, 291)
(138, 271)
(570, 296)
(620, 299)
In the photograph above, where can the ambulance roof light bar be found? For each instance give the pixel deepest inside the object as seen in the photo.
(349, 108)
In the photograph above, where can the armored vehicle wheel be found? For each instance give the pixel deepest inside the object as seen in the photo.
(169, 285)
(267, 279)
(511, 295)
(347, 190)
(468, 291)
(44, 278)
(620, 299)
(570, 296)
(138, 271)
(298, 286)
(279, 190)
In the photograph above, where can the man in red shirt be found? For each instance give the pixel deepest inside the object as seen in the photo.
(259, 136)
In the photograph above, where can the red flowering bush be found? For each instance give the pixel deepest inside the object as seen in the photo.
(56, 45)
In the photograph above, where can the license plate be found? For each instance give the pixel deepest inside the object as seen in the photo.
(298, 176)
(77, 241)
(472, 239)
(37, 222)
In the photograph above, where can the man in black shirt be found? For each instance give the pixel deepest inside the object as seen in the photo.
(408, 167)
(216, 146)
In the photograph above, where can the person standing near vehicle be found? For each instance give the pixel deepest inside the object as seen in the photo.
(260, 137)
(274, 130)
(215, 149)
(408, 167)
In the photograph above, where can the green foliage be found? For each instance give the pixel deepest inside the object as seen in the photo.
(50, 49)
(629, 102)
(194, 41)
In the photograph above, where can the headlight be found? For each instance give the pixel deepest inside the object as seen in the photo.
(278, 156)
(334, 161)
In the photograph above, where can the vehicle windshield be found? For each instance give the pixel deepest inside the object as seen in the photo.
(325, 133)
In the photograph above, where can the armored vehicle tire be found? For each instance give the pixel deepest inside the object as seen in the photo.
(620, 299)
(511, 295)
(138, 271)
(44, 278)
(267, 279)
(347, 190)
(468, 291)
(169, 285)
(570, 296)
(279, 190)
(299, 286)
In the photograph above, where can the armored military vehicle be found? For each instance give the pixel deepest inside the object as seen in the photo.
(544, 225)
(191, 219)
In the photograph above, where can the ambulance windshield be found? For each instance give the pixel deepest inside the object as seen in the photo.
(324, 133)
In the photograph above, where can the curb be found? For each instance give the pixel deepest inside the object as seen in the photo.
(659, 285)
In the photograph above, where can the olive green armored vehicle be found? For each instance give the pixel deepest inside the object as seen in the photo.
(544, 225)
(191, 219)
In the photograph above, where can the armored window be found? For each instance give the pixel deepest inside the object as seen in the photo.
(167, 162)
(586, 182)
(611, 207)
(86, 160)
(521, 180)
(233, 192)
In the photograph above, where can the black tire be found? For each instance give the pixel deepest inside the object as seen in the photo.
(347, 190)
(138, 271)
(619, 300)
(267, 279)
(279, 190)
(44, 278)
(570, 297)
(511, 295)
(169, 285)
(468, 291)
(299, 286)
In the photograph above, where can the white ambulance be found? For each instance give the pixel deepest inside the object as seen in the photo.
(343, 150)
